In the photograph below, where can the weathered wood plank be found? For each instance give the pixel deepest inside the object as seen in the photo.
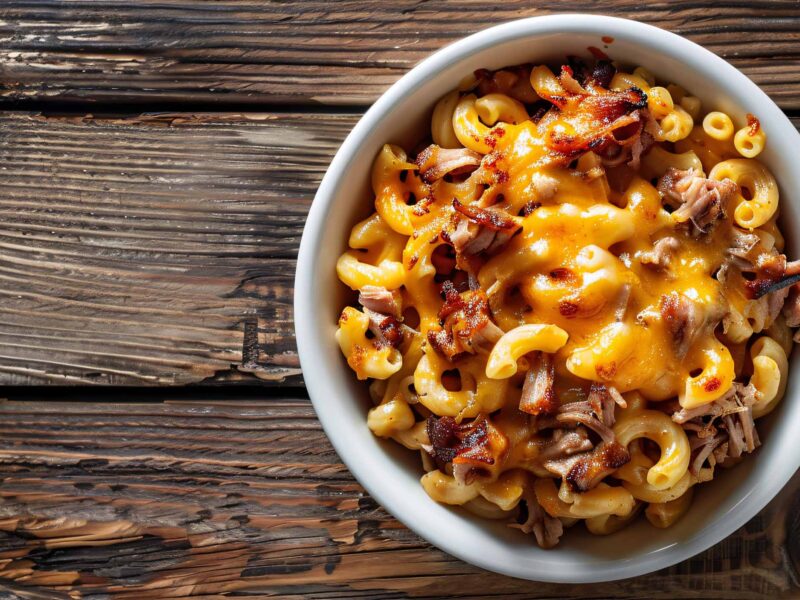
(250, 51)
(215, 498)
(136, 251)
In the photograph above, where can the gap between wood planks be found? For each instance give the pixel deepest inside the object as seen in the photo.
(134, 395)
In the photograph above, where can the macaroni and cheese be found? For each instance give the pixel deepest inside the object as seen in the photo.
(573, 299)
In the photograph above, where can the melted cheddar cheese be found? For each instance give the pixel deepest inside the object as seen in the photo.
(521, 246)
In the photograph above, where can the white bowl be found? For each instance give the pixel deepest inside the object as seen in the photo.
(391, 473)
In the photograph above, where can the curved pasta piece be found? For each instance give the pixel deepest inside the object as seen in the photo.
(502, 362)
(492, 108)
(602, 500)
(469, 129)
(658, 161)
(442, 121)
(659, 102)
(478, 392)
(718, 125)
(413, 438)
(506, 491)
(608, 524)
(716, 369)
(751, 139)
(447, 489)
(770, 371)
(676, 125)
(756, 178)
(648, 493)
(671, 439)
(375, 258)
(666, 514)
(390, 418)
(356, 274)
(363, 355)
(389, 190)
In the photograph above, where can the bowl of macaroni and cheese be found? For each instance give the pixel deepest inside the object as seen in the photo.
(545, 299)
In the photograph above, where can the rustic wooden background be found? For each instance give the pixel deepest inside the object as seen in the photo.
(157, 159)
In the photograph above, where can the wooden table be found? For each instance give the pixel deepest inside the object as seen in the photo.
(157, 159)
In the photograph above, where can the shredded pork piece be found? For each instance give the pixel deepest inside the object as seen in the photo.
(738, 396)
(538, 395)
(547, 530)
(471, 447)
(467, 327)
(762, 274)
(435, 162)
(592, 467)
(596, 412)
(741, 248)
(697, 199)
(641, 145)
(490, 218)
(792, 268)
(722, 429)
(388, 331)
(686, 320)
(662, 253)
(596, 114)
(582, 471)
(703, 449)
(602, 399)
(582, 413)
(775, 302)
(380, 300)
(565, 442)
(480, 230)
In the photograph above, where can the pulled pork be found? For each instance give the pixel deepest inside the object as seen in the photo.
(661, 254)
(435, 162)
(388, 331)
(600, 117)
(471, 448)
(564, 443)
(538, 395)
(466, 324)
(481, 229)
(695, 198)
(686, 320)
(380, 300)
(582, 470)
(583, 413)
(762, 274)
(534, 519)
(720, 430)
(383, 307)
(596, 412)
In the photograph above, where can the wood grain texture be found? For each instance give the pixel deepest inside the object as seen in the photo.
(311, 51)
(138, 251)
(155, 250)
(215, 499)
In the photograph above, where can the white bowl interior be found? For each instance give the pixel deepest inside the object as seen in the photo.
(390, 472)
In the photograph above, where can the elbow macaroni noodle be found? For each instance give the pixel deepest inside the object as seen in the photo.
(536, 276)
